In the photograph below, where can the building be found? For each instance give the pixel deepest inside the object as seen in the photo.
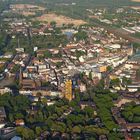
(16, 138)
(5, 90)
(82, 87)
(19, 122)
(29, 84)
(103, 68)
(68, 90)
(7, 133)
(84, 104)
(32, 68)
(103, 137)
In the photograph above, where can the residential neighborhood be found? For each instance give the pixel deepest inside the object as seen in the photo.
(63, 77)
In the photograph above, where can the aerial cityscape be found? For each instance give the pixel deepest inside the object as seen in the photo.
(69, 69)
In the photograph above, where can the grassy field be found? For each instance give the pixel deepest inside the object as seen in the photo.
(59, 19)
(135, 0)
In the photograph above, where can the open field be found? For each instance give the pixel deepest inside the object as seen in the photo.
(26, 6)
(26, 9)
(59, 19)
(135, 0)
(135, 7)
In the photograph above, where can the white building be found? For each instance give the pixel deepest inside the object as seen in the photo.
(5, 90)
(82, 87)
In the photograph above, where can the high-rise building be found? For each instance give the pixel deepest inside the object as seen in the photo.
(68, 90)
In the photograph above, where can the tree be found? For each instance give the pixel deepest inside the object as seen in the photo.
(58, 126)
(39, 96)
(104, 105)
(38, 130)
(18, 116)
(136, 135)
(81, 35)
(126, 81)
(138, 74)
(90, 75)
(48, 54)
(46, 84)
(115, 82)
(2, 69)
(77, 97)
(11, 117)
(49, 122)
(136, 119)
(136, 110)
(16, 106)
(39, 117)
(89, 111)
(53, 24)
(115, 136)
(138, 89)
(110, 124)
(131, 112)
(73, 103)
(59, 64)
(44, 101)
(59, 111)
(109, 68)
(79, 53)
(100, 87)
(26, 133)
(76, 129)
(15, 68)
(70, 25)
(95, 129)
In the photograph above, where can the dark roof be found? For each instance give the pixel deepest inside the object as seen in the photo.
(133, 124)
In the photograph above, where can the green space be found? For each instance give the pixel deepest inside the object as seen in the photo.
(52, 118)
(131, 112)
